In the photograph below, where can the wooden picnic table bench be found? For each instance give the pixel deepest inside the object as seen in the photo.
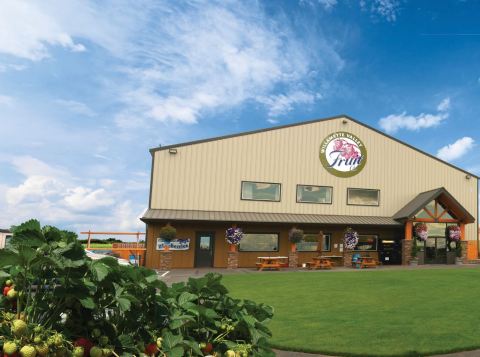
(270, 263)
(367, 262)
(320, 263)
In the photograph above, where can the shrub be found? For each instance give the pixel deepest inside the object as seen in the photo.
(64, 296)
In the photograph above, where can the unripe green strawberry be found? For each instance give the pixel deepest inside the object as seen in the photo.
(58, 340)
(38, 329)
(78, 351)
(96, 352)
(230, 353)
(50, 341)
(37, 340)
(28, 351)
(103, 340)
(96, 332)
(42, 350)
(159, 342)
(12, 294)
(19, 327)
(107, 352)
(9, 282)
(9, 347)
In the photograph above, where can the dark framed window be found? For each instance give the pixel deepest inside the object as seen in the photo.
(314, 194)
(310, 242)
(363, 197)
(259, 242)
(261, 191)
(367, 243)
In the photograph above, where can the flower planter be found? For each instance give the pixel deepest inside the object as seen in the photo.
(451, 257)
(421, 258)
(413, 262)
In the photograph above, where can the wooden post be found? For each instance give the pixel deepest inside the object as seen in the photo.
(408, 230)
(88, 240)
(462, 231)
(138, 252)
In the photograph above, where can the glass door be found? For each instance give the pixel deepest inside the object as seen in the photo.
(436, 250)
(204, 249)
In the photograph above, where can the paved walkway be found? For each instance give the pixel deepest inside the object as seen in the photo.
(178, 275)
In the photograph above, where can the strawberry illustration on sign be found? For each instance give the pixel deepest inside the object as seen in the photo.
(343, 154)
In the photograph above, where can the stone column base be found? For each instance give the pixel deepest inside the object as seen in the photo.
(165, 260)
(464, 244)
(232, 261)
(406, 251)
(292, 259)
(347, 257)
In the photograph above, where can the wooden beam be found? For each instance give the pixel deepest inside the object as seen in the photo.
(462, 231)
(408, 230)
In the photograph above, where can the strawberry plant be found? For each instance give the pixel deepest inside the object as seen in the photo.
(57, 302)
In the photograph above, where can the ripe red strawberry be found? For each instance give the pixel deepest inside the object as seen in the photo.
(151, 349)
(6, 289)
(208, 348)
(85, 343)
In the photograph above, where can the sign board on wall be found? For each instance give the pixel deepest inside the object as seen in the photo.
(343, 154)
(174, 244)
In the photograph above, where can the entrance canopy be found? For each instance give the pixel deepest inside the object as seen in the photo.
(435, 206)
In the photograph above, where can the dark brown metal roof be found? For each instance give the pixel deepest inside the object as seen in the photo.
(424, 198)
(258, 217)
(4, 231)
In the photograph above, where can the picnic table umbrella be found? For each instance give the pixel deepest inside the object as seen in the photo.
(320, 243)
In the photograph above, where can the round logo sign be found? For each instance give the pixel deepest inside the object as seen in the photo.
(343, 154)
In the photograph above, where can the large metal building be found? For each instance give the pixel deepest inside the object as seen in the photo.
(321, 175)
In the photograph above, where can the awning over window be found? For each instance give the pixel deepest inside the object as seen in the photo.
(256, 217)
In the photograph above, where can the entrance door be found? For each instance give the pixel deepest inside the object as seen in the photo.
(436, 250)
(204, 249)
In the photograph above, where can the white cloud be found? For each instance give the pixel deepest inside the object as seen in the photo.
(86, 199)
(444, 105)
(26, 30)
(394, 122)
(76, 107)
(456, 150)
(209, 56)
(33, 189)
(282, 103)
(326, 4)
(386, 9)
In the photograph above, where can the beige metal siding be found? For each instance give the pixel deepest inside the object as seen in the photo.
(208, 175)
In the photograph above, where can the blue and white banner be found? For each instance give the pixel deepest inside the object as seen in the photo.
(174, 244)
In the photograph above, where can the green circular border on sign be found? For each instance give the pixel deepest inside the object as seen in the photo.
(342, 134)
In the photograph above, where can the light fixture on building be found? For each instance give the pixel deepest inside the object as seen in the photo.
(468, 177)
(172, 151)
(344, 121)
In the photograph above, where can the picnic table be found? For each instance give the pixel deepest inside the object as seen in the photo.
(366, 262)
(337, 259)
(270, 263)
(320, 263)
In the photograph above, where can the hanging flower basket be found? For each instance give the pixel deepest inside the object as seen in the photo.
(350, 239)
(168, 233)
(421, 231)
(454, 233)
(233, 235)
(295, 235)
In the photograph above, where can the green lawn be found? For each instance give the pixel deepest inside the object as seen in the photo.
(369, 313)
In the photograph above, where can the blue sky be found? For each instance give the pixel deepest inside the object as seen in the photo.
(87, 87)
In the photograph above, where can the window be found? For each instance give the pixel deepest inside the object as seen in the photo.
(367, 242)
(310, 242)
(260, 191)
(314, 194)
(259, 242)
(363, 197)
